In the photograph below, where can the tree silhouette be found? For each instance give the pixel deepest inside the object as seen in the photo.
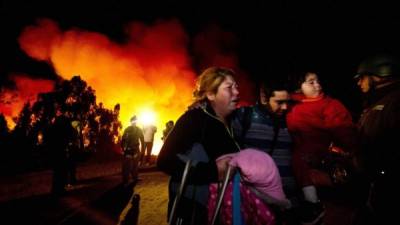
(98, 127)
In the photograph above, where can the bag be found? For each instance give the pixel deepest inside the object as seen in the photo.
(335, 169)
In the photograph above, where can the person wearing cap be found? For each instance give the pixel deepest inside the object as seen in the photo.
(132, 138)
(378, 78)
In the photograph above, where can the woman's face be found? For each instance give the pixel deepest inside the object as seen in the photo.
(225, 101)
(311, 86)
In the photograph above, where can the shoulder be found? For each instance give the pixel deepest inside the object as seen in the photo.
(194, 113)
(242, 111)
(128, 128)
(333, 103)
(191, 117)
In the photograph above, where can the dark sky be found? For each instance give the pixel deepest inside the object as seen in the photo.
(273, 36)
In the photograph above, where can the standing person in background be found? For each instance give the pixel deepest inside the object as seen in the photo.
(73, 150)
(61, 134)
(315, 121)
(132, 139)
(208, 126)
(168, 127)
(379, 80)
(148, 132)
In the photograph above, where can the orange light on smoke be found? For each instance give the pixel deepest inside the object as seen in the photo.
(151, 70)
(26, 89)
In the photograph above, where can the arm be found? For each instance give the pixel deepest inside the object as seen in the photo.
(123, 139)
(338, 122)
(141, 138)
(181, 138)
(188, 131)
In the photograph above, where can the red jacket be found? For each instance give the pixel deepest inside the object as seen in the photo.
(314, 123)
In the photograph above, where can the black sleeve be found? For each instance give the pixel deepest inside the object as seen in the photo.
(187, 131)
(123, 139)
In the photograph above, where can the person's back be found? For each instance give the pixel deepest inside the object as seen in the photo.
(132, 139)
(148, 133)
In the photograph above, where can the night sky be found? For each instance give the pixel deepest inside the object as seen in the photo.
(272, 37)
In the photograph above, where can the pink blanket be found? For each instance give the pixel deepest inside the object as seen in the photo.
(260, 170)
(257, 170)
(254, 211)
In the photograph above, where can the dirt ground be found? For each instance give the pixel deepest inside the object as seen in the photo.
(153, 191)
(152, 188)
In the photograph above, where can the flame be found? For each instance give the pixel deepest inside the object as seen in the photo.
(26, 90)
(151, 70)
(147, 117)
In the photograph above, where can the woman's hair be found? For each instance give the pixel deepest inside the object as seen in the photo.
(209, 81)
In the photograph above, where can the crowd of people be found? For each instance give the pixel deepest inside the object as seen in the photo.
(298, 128)
(277, 149)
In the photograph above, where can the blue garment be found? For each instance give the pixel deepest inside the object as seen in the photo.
(236, 202)
(260, 134)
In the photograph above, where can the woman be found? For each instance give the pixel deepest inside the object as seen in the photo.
(315, 122)
(209, 125)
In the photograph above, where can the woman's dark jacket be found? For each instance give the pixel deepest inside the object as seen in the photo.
(199, 125)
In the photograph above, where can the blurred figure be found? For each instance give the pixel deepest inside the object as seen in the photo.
(168, 127)
(72, 152)
(379, 80)
(148, 132)
(209, 127)
(132, 139)
(60, 136)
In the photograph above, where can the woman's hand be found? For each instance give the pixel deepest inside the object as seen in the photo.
(222, 166)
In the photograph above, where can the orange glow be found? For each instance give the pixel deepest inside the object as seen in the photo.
(26, 89)
(147, 117)
(151, 70)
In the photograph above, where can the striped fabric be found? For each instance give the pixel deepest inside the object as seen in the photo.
(260, 134)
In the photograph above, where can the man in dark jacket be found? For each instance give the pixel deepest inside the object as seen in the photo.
(263, 126)
(132, 138)
(379, 125)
